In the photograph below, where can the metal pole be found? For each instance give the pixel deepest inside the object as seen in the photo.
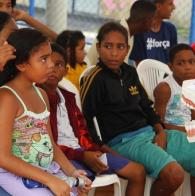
(192, 29)
(73, 6)
(32, 8)
(56, 14)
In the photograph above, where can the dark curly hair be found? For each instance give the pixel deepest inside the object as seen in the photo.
(69, 40)
(111, 27)
(57, 48)
(177, 48)
(4, 19)
(25, 41)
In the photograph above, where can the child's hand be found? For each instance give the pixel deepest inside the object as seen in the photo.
(82, 174)
(59, 187)
(6, 54)
(160, 139)
(91, 159)
(85, 189)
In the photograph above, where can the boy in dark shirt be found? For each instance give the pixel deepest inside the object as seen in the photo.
(113, 93)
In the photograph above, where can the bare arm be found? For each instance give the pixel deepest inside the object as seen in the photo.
(162, 94)
(175, 127)
(22, 15)
(59, 156)
(9, 110)
(61, 159)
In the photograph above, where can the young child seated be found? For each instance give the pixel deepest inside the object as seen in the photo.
(171, 109)
(28, 152)
(74, 44)
(7, 25)
(71, 134)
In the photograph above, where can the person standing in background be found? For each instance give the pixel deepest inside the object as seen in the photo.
(163, 35)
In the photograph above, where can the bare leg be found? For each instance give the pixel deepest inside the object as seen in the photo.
(135, 174)
(170, 178)
(192, 184)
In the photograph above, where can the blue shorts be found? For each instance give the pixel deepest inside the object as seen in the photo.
(115, 163)
(140, 148)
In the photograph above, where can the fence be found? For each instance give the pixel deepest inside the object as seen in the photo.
(89, 15)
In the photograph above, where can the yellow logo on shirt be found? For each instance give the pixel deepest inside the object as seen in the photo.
(133, 90)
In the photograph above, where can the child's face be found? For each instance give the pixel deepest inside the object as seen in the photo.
(6, 6)
(165, 9)
(80, 51)
(39, 66)
(59, 70)
(183, 65)
(113, 50)
(8, 28)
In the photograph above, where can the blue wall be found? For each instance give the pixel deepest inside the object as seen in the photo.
(192, 30)
(32, 7)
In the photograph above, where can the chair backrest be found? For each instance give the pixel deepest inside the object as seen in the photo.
(68, 85)
(150, 73)
(97, 127)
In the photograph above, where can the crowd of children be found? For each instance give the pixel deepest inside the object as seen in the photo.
(50, 147)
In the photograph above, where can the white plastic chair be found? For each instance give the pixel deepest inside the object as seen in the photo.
(150, 73)
(148, 185)
(105, 180)
(68, 85)
(185, 188)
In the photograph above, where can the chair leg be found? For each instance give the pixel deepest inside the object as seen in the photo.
(186, 185)
(148, 186)
(184, 189)
(123, 183)
(91, 192)
(117, 189)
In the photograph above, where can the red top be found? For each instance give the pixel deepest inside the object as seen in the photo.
(193, 46)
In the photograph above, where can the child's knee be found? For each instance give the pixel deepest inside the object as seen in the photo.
(172, 174)
(137, 172)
